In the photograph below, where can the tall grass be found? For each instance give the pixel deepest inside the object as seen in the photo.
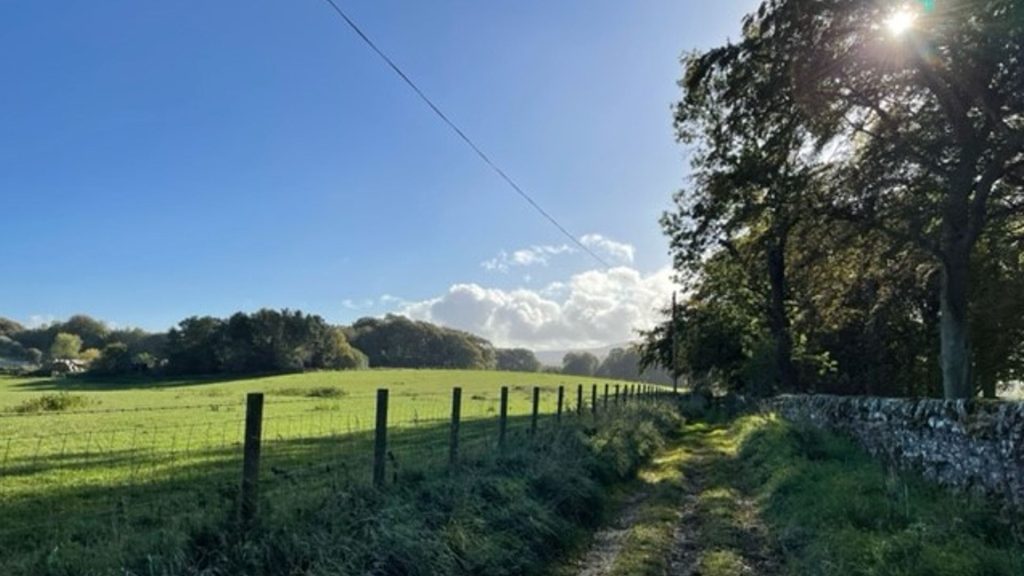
(493, 514)
(835, 511)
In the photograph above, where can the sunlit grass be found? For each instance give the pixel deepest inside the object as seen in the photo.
(109, 466)
(819, 504)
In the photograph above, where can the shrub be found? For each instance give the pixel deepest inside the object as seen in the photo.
(59, 402)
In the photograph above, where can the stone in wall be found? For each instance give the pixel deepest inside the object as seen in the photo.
(968, 445)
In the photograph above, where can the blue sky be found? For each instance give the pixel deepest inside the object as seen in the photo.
(165, 159)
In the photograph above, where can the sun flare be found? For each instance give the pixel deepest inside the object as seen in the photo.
(900, 21)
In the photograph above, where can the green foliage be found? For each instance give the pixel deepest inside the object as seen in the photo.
(580, 364)
(626, 364)
(93, 333)
(337, 354)
(11, 348)
(398, 342)
(837, 512)
(115, 359)
(761, 495)
(59, 402)
(266, 341)
(9, 327)
(508, 514)
(856, 203)
(516, 360)
(315, 392)
(65, 346)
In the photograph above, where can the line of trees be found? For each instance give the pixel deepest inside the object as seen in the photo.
(620, 364)
(855, 219)
(272, 341)
(266, 341)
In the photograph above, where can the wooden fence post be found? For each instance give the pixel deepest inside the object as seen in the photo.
(593, 400)
(503, 418)
(536, 409)
(616, 394)
(380, 441)
(606, 397)
(579, 400)
(453, 439)
(251, 458)
(561, 400)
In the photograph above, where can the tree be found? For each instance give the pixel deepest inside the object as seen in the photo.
(192, 347)
(114, 359)
(34, 356)
(89, 355)
(927, 124)
(517, 360)
(10, 348)
(92, 332)
(65, 346)
(266, 341)
(9, 327)
(337, 353)
(717, 327)
(580, 364)
(621, 363)
(753, 175)
(997, 311)
(399, 342)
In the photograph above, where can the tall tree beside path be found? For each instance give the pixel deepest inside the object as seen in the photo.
(753, 177)
(922, 108)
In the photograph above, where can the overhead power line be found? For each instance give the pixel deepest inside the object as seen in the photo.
(469, 142)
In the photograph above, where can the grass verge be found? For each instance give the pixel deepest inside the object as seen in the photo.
(760, 495)
(835, 511)
(494, 515)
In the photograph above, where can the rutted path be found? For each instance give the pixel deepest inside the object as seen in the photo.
(688, 518)
(720, 531)
(609, 542)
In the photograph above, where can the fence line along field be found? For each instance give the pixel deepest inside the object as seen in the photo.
(110, 465)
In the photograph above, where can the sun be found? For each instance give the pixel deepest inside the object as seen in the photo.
(900, 21)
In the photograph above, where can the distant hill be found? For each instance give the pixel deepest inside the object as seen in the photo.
(554, 357)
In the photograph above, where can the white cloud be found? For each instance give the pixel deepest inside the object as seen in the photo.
(593, 309)
(620, 251)
(40, 320)
(534, 255)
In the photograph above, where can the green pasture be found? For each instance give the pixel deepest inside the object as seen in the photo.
(106, 462)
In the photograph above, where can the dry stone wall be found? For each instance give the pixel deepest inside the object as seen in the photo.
(969, 445)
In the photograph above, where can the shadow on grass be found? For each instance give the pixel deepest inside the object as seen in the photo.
(167, 501)
(90, 383)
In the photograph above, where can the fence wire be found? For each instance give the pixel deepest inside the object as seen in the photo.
(84, 481)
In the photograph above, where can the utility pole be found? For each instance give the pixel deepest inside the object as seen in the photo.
(675, 372)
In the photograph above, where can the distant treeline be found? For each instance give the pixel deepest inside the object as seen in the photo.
(280, 341)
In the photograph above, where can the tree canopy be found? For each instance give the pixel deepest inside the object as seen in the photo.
(517, 360)
(580, 364)
(398, 342)
(266, 341)
(854, 222)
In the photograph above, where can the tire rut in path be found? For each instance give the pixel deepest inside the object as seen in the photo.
(731, 529)
(746, 546)
(608, 542)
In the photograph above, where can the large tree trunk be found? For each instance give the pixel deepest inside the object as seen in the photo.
(955, 358)
(778, 319)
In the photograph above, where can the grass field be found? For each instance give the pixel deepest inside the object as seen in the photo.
(102, 465)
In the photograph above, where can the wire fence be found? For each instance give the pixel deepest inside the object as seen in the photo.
(80, 482)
